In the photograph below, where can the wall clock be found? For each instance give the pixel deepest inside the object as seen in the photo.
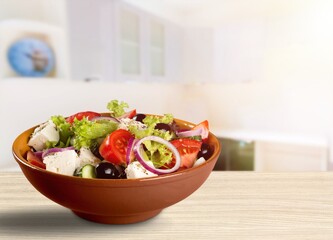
(31, 57)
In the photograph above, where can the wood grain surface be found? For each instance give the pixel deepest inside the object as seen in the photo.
(230, 205)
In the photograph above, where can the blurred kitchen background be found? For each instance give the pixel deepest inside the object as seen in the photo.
(260, 71)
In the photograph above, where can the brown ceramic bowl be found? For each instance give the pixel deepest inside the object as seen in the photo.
(115, 201)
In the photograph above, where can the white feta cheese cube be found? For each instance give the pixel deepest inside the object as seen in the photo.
(42, 134)
(87, 157)
(199, 162)
(136, 170)
(124, 123)
(62, 162)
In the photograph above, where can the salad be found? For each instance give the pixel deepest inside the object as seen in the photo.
(118, 145)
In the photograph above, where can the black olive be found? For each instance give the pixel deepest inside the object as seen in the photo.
(109, 171)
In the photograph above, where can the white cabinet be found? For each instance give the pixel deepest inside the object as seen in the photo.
(129, 42)
(147, 47)
(121, 42)
(89, 25)
(288, 157)
(281, 152)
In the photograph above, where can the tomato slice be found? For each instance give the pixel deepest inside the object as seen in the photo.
(114, 147)
(34, 160)
(79, 116)
(205, 129)
(129, 114)
(188, 150)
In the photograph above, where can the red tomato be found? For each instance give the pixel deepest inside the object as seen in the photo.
(205, 129)
(34, 160)
(88, 114)
(114, 147)
(188, 150)
(129, 114)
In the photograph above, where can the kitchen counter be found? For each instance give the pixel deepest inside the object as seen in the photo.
(230, 205)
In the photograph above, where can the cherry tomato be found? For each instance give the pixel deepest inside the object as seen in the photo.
(34, 160)
(114, 147)
(205, 129)
(188, 150)
(88, 114)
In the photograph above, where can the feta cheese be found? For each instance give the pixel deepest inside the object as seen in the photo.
(136, 170)
(126, 122)
(87, 157)
(199, 162)
(42, 134)
(62, 162)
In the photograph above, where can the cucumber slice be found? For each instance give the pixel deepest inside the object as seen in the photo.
(88, 171)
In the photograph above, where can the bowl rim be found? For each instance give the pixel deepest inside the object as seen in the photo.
(184, 172)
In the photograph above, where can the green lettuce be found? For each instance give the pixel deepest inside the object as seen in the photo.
(150, 122)
(65, 132)
(153, 120)
(158, 153)
(117, 108)
(87, 133)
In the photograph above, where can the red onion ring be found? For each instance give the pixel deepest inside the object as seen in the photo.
(112, 119)
(189, 133)
(55, 150)
(129, 150)
(204, 132)
(38, 154)
(139, 157)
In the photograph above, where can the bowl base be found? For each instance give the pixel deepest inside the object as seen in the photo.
(124, 219)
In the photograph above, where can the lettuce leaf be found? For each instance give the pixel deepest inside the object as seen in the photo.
(153, 120)
(116, 108)
(87, 133)
(150, 122)
(65, 132)
(158, 153)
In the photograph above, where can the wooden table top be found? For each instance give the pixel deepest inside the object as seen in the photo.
(230, 205)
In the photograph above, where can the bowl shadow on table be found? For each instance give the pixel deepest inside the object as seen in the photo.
(52, 222)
